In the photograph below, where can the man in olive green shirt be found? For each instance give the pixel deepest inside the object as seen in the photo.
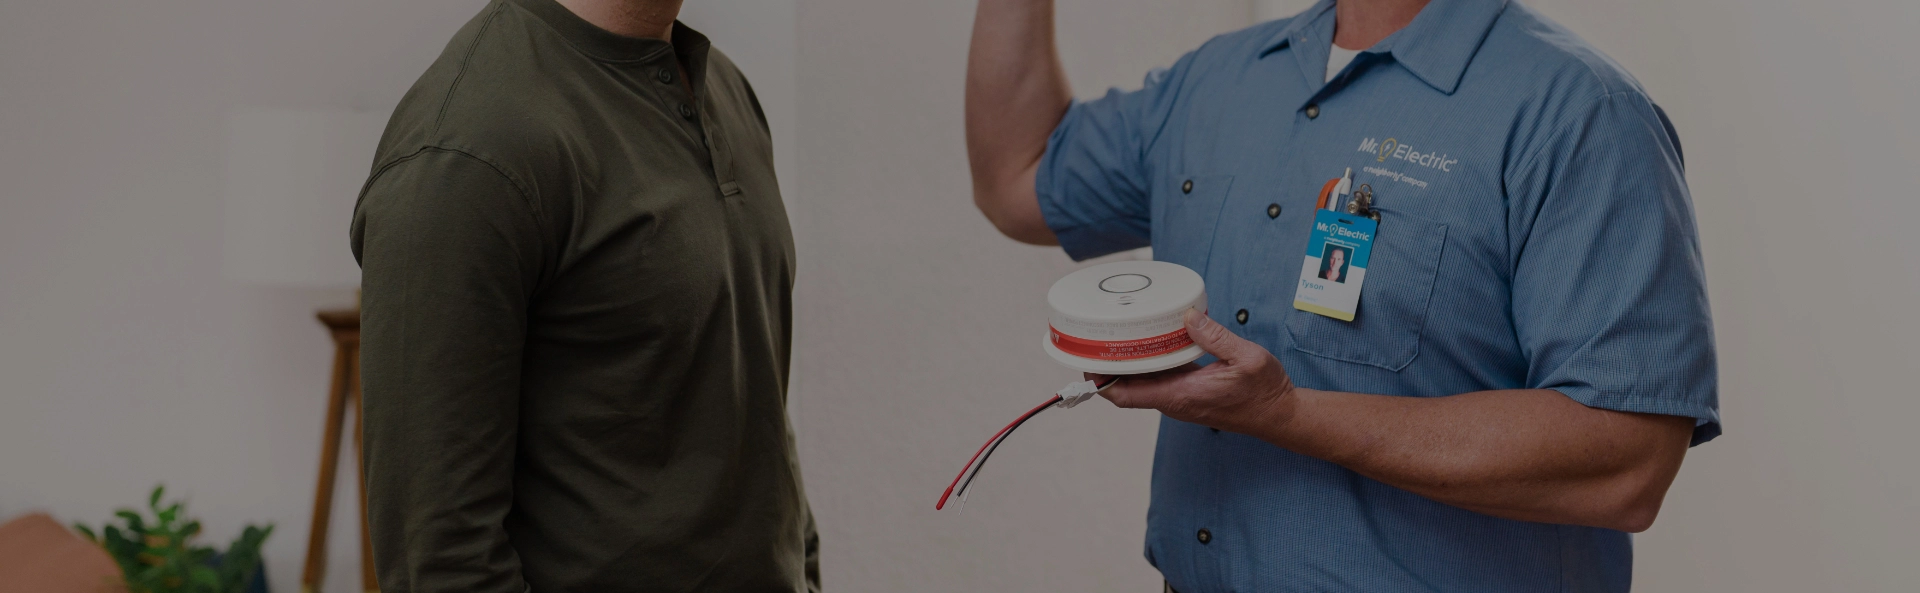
(577, 316)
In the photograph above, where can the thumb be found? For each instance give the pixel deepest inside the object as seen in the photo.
(1213, 337)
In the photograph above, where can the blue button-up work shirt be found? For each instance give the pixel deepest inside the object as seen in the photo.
(1535, 232)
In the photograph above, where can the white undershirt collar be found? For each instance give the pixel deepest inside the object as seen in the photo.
(1337, 59)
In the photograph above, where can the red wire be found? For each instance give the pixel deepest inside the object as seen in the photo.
(976, 454)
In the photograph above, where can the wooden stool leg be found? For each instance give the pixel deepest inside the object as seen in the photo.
(329, 461)
(368, 581)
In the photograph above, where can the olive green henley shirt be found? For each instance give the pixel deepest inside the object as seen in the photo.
(577, 313)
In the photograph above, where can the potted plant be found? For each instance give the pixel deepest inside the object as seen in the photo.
(156, 556)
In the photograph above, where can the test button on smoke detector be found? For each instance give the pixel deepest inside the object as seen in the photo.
(1125, 283)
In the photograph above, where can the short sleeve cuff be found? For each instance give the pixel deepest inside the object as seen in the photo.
(1086, 241)
(1706, 419)
(1082, 239)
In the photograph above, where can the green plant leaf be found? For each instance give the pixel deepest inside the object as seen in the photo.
(134, 523)
(205, 577)
(199, 556)
(243, 557)
(117, 540)
(148, 575)
(159, 557)
(122, 550)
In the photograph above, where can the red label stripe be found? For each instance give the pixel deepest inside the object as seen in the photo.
(1122, 350)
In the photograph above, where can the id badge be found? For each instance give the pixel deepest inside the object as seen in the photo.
(1336, 264)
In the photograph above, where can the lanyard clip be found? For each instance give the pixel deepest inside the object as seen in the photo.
(1362, 203)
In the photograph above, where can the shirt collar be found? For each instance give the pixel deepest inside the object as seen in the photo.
(1295, 27)
(607, 46)
(1436, 46)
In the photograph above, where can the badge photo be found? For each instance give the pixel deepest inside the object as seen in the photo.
(1336, 264)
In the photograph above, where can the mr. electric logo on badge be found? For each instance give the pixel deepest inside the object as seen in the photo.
(1340, 231)
(1392, 148)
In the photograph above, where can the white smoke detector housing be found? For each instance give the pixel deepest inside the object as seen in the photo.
(1124, 318)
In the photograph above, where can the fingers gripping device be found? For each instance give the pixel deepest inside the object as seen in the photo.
(1114, 319)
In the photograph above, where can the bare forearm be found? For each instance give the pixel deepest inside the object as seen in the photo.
(1532, 455)
(1525, 454)
(1016, 94)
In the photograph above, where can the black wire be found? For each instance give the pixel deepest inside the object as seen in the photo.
(982, 464)
(1003, 438)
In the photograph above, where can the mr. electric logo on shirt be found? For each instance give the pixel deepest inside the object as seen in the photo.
(1394, 149)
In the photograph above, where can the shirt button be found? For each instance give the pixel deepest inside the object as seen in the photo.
(1313, 111)
(1204, 536)
(1241, 317)
(1273, 210)
(1187, 188)
(687, 111)
(665, 75)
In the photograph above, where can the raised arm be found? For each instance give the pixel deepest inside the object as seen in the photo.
(1016, 94)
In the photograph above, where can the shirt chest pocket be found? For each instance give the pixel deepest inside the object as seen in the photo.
(1186, 209)
(1386, 328)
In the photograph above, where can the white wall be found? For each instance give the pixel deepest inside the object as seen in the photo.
(919, 326)
(126, 357)
(1798, 124)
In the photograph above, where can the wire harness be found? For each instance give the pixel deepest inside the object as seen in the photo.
(1076, 392)
(1066, 397)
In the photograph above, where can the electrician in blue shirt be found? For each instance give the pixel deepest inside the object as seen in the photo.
(1532, 353)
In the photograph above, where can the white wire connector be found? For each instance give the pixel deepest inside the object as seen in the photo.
(1076, 392)
(1066, 397)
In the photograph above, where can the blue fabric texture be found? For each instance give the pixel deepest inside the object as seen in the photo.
(1535, 232)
